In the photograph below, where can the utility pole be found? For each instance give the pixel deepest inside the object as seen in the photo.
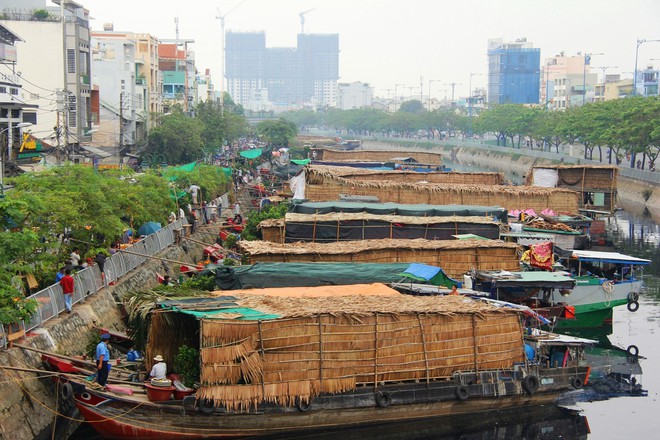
(121, 128)
(65, 92)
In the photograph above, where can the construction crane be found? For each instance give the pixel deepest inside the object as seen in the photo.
(302, 19)
(221, 17)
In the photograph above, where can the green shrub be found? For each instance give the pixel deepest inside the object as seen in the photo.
(186, 365)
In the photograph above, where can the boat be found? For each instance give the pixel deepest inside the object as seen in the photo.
(604, 280)
(299, 360)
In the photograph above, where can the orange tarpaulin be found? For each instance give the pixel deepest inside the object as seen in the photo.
(375, 289)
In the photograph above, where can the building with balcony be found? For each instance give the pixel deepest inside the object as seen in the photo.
(177, 64)
(648, 80)
(567, 81)
(55, 59)
(282, 78)
(123, 94)
(513, 72)
(13, 110)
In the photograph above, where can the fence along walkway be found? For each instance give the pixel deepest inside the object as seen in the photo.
(89, 281)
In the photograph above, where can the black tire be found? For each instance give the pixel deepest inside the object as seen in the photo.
(632, 350)
(633, 296)
(633, 306)
(303, 406)
(205, 406)
(383, 400)
(530, 384)
(462, 393)
(576, 383)
(66, 391)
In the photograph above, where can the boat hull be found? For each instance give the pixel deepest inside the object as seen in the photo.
(121, 418)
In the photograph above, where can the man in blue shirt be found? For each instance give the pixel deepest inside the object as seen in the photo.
(102, 357)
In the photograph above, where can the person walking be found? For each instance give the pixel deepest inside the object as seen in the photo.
(67, 284)
(102, 357)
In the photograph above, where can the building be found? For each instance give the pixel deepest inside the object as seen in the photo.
(648, 80)
(122, 92)
(282, 78)
(567, 81)
(205, 90)
(13, 111)
(513, 72)
(354, 95)
(176, 61)
(55, 59)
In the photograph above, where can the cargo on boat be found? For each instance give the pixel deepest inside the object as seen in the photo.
(293, 360)
(455, 257)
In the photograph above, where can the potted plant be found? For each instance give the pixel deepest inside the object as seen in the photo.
(186, 364)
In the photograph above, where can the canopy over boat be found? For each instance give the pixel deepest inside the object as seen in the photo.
(608, 257)
(540, 279)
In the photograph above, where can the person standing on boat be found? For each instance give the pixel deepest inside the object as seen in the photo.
(159, 369)
(102, 357)
(67, 284)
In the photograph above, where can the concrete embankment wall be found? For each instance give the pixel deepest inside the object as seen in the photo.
(29, 405)
(634, 195)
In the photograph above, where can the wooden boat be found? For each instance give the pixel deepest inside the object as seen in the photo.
(604, 280)
(294, 360)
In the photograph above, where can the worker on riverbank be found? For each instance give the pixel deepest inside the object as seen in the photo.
(102, 357)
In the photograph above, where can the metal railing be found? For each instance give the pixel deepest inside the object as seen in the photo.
(89, 281)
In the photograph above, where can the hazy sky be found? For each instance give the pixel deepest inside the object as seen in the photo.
(388, 42)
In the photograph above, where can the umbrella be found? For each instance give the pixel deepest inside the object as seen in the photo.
(149, 228)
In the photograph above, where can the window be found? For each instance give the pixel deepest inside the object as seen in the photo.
(71, 61)
(3, 89)
(30, 117)
(13, 90)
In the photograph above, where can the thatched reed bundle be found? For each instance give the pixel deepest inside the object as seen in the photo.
(455, 257)
(424, 157)
(329, 187)
(333, 344)
(339, 226)
(319, 172)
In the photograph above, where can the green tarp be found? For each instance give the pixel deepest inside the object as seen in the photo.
(419, 210)
(262, 275)
(301, 162)
(246, 314)
(187, 168)
(251, 154)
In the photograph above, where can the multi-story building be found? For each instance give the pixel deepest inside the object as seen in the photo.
(177, 64)
(13, 110)
(354, 95)
(55, 59)
(282, 78)
(122, 92)
(647, 81)
(513, 72)
(205, 90)
(567, 81)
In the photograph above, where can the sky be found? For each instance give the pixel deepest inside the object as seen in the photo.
(390, 42)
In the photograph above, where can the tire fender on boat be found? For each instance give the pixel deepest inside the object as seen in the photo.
(633, 306)
(205, 406)
(303, 406)
(632, 350)
(576, 382)
(462, 393)
(383, 400)
(66, 391)
(530, 384)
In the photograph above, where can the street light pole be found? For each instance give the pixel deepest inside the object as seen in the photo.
(9, 141)
(639, 43)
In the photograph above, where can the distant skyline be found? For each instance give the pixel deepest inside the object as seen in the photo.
(390, 42)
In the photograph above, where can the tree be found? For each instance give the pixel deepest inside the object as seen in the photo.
(179, 139)
(412, 106)
(278, 133)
